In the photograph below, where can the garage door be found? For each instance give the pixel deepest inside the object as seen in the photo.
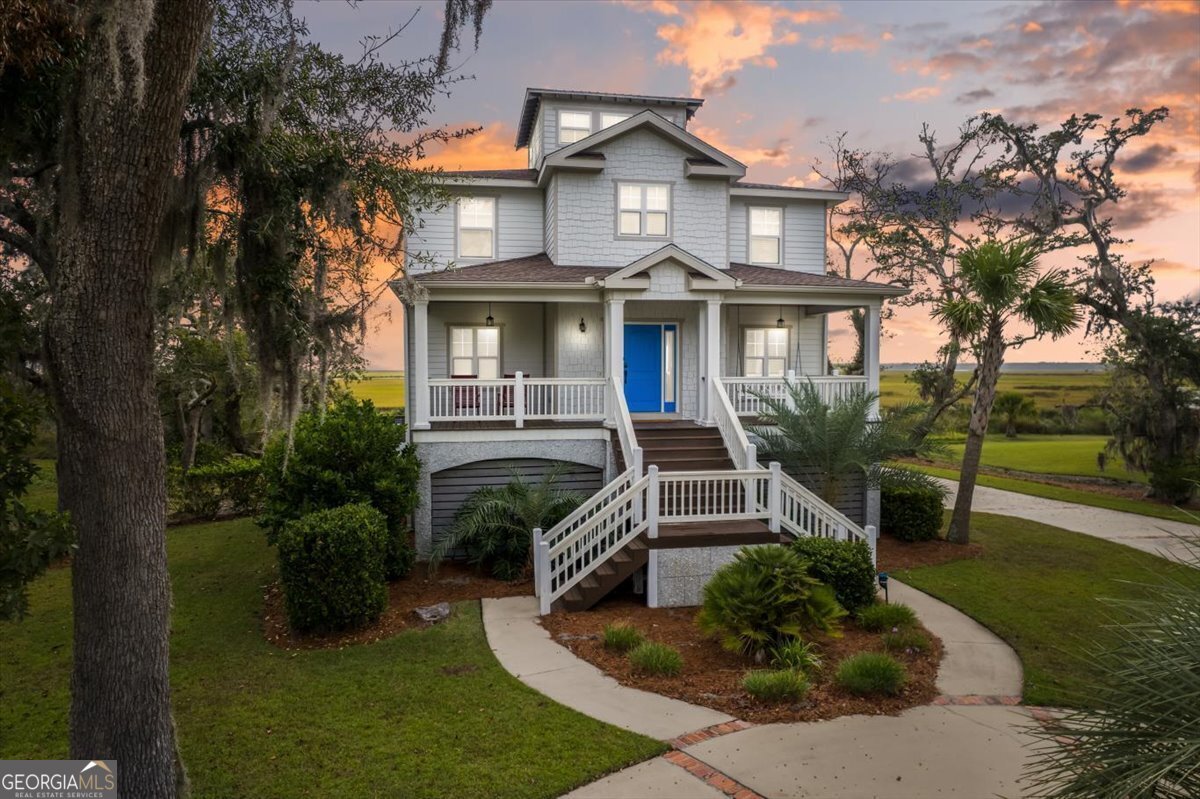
(451, 487)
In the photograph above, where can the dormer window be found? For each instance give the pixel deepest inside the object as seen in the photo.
(573, 126)
(477, 227)
(766, 235)
(644, 209)
(608, 120)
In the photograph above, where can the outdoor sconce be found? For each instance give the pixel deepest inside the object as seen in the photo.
(582, 325)
(779, 321)
(490, 321)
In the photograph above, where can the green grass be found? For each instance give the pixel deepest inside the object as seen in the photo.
(426, 713)
(43, 491)
(871, 673)
(385, 389)
(1072, 455)
(1038, 588)
(1095, 499)
(1047, 389)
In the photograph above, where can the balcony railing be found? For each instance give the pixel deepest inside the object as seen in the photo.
(745, 392)
(518, 399)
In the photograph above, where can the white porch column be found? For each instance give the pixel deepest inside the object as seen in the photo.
(614, 340)
(871, 352)
(418, 370)
(710, 330)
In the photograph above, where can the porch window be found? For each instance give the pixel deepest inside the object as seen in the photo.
(573, 126)
(765, 352)
(475, 352)
(477, 227)
(766, 229)
(643, 209)
(608, 120)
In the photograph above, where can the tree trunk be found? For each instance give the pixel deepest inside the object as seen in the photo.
(944, 396)
(119, 142)
(990, 359)
(858, 323)
(1010, 427)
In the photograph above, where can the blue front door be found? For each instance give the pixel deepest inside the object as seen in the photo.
(644, 368)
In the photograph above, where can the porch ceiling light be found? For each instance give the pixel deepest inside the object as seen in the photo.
(490, 321)
(582, 325)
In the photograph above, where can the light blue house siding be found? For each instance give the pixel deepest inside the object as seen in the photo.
(519, 231)
(803, 232)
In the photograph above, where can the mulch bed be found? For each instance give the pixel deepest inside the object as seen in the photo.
(893, 554)
(453, 582)
(712, 677)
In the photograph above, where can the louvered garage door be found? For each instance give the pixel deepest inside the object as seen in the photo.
(451, 487)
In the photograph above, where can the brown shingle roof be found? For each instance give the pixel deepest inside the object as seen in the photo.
(503, 174)
(773, 276)
(530, 269)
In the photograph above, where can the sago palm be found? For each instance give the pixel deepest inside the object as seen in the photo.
(495, 524)
(999, 288)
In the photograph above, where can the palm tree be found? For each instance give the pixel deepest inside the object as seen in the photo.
(998, 283)
(495, 525)
(835, 441)
(1013, 406)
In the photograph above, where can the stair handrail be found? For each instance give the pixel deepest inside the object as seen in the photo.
(741, 451)
(590, 506)
(803, 513)
(624, 424)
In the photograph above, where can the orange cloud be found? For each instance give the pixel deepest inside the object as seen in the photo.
(1032, 27)
(490, 148)
(716, 40)
(777, 153)
(917, 95)
(1164, 6)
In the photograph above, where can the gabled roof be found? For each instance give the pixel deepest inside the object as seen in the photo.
(697, 266)
(713, 162)
(534, 97)
(531, 269)
(741, 188)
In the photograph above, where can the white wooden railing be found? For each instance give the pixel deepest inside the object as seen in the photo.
(803, 513)
(624, 424)
(518, 399)
(745, 392)
(740, 449)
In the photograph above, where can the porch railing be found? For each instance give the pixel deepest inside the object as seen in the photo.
(744, 392)
(741, 451)
(518, 399)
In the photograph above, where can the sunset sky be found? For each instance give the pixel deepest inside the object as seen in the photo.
(779, 79)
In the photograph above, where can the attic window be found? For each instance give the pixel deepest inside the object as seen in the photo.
(608, 120)
(573, 126)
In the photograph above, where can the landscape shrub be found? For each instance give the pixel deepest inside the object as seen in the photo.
(844, 566)
(910, 513)
(797, 655)
(880, 617)
(906, 640)
(1174, 481)
(765, 598)
(331, 564)
(236, 481)
(352, 454)
(776, 686)
(659, 660)
(871, 673)
(621, 637)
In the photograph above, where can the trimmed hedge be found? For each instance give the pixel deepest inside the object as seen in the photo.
(331, 563)
(844, 566)
(910, 513)
(236, 481)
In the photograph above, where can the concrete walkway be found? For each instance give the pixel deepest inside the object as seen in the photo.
(1149, 534)
(971, 743)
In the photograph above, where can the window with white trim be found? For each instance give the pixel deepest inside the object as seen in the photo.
(765, 352)
(766, 235)
(608, 120)
(573, 126)
(643, 209)
(475, 352)
(477, 227)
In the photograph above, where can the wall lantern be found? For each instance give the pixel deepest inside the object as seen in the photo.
(582, 325)
(779, 321)
(490, 321)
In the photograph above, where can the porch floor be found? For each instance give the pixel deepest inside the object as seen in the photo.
(681, 535)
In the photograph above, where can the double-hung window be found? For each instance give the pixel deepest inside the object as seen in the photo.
(573, 126)
(475, 352)
(643, 209)
(766, 235)
(608, 120)
(765, 352)
(477, 227)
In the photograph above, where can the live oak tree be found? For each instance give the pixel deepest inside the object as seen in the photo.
(999, 288)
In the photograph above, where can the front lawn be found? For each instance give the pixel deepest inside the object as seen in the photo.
(1038, 588)
(426, 713)
(1047, 454)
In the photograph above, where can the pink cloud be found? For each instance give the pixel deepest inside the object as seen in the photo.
(920, 94)
(772, 153)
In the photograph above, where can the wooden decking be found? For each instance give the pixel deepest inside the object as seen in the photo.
(684, 535)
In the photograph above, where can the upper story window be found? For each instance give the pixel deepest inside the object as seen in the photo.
(475, 352)
(765, 352)
(643, 209)
(477, 227)
(573, 126)
(766, 235)
(608, 120)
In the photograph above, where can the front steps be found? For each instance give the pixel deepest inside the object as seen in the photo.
(607, 576)
(680, 446)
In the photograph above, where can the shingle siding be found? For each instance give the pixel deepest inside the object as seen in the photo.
(552, 219)
(520, 228)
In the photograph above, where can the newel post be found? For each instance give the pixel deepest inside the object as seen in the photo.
(652, 502)
(751, 456)
(541, 571)
(872, 541)
(773, 497)
(519, 398)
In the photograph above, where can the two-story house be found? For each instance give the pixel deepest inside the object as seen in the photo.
(619, 307)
